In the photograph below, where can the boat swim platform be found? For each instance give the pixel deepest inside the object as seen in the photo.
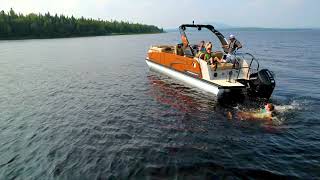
(225, 83)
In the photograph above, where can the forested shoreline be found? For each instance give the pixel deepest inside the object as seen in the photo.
(20, 26)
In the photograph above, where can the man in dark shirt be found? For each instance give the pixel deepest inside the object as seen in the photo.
(233, 45)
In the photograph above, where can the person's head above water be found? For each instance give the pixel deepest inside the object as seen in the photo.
(269, 107)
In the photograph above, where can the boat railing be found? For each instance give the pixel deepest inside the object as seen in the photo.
(253, 63)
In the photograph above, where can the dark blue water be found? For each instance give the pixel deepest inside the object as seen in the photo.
(88, 108)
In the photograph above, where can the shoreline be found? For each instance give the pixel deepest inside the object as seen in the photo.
(60, 37)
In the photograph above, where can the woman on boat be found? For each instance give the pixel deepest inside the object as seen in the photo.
(210, 57)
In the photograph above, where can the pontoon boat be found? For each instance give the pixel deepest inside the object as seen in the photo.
(242, 74)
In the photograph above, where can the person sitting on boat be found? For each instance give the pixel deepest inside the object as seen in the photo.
(208, 45)
(210, 57)
(265, 113)
(178, 50)
(201, 49)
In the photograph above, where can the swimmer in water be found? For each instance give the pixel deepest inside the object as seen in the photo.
(265, 113)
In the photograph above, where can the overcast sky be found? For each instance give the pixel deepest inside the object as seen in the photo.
(172, 13)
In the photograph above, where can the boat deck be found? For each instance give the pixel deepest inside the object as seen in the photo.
(225, 83)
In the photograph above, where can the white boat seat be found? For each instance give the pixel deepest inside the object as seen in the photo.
(163, 48)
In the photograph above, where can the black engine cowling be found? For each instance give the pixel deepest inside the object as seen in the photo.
(261, 84)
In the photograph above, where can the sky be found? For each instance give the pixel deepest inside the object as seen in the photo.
(172, 13)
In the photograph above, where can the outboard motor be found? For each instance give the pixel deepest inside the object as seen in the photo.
(261, 84)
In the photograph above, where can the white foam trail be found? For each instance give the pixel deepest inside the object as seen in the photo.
(284, 108)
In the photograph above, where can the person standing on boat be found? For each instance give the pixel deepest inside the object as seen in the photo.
(233, 45)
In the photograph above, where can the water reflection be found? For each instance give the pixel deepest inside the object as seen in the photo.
(169, 93)
(186, 99)
(193, 104)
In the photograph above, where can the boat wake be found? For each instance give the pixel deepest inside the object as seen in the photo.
(289, 110)
(294, 105)
(283, 110)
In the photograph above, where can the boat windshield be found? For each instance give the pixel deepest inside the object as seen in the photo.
(195, 37)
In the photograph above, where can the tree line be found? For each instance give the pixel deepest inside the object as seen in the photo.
(13, 25)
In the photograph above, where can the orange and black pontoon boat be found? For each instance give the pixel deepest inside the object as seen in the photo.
(180, 62)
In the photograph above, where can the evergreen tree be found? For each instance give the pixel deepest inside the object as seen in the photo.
(13, 25)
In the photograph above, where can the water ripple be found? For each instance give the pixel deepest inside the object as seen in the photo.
(92, 112)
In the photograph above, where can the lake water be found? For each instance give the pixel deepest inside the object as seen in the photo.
(89, 108)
